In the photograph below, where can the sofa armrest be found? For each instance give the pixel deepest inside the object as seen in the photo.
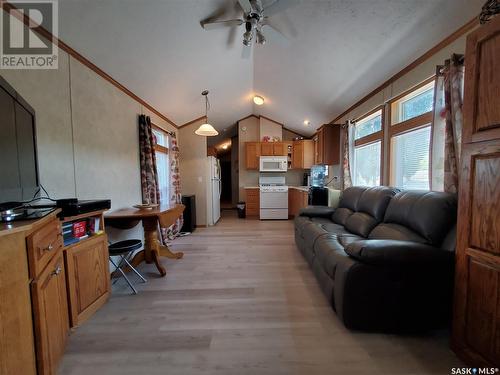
(317, 211)
(398, 253)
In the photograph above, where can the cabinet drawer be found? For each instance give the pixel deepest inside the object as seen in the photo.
(43, 244)
(252, 192)
(252, 206)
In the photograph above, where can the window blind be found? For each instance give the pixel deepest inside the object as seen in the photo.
(410, 159)
(367, 165)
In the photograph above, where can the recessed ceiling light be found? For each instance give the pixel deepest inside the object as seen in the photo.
(225, 146)
(259, 100)
(307, 122)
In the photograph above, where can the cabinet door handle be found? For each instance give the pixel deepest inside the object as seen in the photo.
(57, 270)
(50, 247)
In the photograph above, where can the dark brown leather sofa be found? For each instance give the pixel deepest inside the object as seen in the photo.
(384, 257)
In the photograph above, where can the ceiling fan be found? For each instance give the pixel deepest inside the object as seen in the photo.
(256, 15)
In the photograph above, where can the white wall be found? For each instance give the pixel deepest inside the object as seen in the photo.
(194, 168)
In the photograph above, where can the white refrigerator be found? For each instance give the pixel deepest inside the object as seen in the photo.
(215, 184)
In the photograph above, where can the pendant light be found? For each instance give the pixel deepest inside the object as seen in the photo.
(206, 129)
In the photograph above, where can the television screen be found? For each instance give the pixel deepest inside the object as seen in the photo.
(18, 163)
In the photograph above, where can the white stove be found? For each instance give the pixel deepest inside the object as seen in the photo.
(273, 197)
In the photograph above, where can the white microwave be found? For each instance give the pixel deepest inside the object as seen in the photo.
(273, 164)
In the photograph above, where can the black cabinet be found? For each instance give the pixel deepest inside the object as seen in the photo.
(189, 213)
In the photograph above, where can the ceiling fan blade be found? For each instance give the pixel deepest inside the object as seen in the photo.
(219, 24)
(246, 52)
(245, 5)
(273, 7)
(274, 35)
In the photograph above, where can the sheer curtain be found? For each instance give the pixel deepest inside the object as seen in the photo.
(447, 125)
(174, 190)
(347, 150)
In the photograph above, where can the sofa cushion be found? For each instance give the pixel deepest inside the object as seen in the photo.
(300, 222)
(317, 211)
(374, 201)
(360, 223)
(348, 204)
(389, 231)
(327, 251)
(430, 214)
(333, 228)
(321, 220)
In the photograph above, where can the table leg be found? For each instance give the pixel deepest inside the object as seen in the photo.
(153, 249)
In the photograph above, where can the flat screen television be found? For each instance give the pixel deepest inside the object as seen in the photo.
(18, 157)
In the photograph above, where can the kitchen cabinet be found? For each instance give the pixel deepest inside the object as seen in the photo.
(252, 154)
(303, 154)
(88, 277)
(327, 145)
(253, 202)
(272, 149)
(297, 199)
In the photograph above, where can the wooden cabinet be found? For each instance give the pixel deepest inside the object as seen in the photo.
(253, 202)
(297, 199)
(272, 149)
(88, 279)
(476, 321)
(17, 349)
(327, 145)
(252, 154)
(303, 154)
(50, 311)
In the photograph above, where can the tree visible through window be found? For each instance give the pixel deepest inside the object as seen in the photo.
(162, 163)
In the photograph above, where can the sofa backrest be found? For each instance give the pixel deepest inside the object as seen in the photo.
(362, 208)
(421, 216)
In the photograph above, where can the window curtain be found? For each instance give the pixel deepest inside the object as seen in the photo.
(149, 175)
(175, 187)
(447, 125)
(347, 150)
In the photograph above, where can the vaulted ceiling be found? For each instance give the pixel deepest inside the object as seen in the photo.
(337, 51)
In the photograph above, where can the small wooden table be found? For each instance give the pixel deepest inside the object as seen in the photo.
(165, 215)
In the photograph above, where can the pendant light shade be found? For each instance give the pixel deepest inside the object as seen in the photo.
(206, 129)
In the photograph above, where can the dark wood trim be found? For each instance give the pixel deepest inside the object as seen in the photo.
(371, 138)
(192, 122)
(414, 88)
(411, 124)
(77, 56)
(446, 41)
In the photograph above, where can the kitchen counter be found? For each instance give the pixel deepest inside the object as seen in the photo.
(301, 188)
(251, 187)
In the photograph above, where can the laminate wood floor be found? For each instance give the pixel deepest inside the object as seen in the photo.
(241, 301)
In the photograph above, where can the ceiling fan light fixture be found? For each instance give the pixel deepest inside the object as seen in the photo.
(247, 38)
(259, 100)
(260, 38)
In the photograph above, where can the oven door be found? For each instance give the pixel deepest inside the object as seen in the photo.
(271, 199)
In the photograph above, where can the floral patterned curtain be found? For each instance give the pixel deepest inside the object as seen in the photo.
(175, 187)
(347, 152)
(149, 175)
(447, 125)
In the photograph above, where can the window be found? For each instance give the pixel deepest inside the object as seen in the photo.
(410, 159)
(162, 162)
(410, 135)
(367, 155)
(367, 164)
